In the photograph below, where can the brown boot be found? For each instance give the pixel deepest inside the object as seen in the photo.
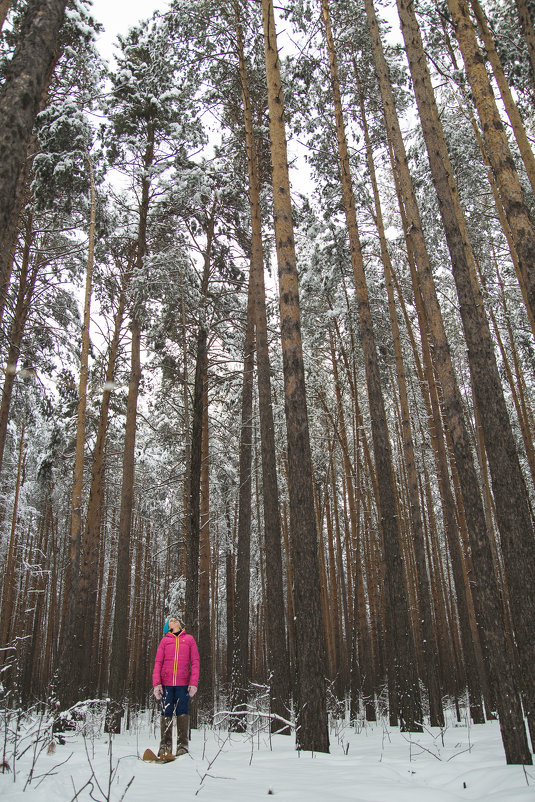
(182, 728)
(165, 751)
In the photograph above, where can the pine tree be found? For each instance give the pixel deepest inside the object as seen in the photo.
(149, 127)
(312, 717)
(275, 636)
(509, 488)
(402, 678)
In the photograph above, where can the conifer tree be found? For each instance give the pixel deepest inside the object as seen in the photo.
(510, 494)
(312, 713)
(403, 683)
(275, 635)
(149, 127)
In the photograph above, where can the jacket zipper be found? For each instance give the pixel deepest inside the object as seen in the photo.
(175, 667)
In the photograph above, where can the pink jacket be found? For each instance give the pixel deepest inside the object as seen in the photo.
(177, 660)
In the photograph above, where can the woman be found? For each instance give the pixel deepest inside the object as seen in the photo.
(175, 679)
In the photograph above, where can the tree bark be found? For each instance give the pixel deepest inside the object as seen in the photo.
(182, 567)
(5, 5)
(8, 591)
(194, 511)
(89, 565)
(27, 281)
(74, 655)
(229, 587)
(497, 146)
(484, 587)
(119, 645)
(8, 244)
(506, 228)
(428, 384)
(119, 650)
(277, 654)
(528, 29)
(206, 690)
(505, 91)
(451, 531)
(312, 731)
(241, 663)
(508, 483)
(402, 674)
(27, 76)
(430, 651)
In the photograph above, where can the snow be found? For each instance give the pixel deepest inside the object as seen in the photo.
(377, 763)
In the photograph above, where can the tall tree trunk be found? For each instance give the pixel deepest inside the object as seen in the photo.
(512, 111)
(351, 525)
(27, 76)
(430, 319)
(91, 544)
(206, 690)
(193, 534)
(451, 531)
(193, 518)
(194, 512)
(332, 619)
(528, 29)
(484, 587)
(229, 597)
(311, 704)
(119, 650)
(416, 518)
(27, 281)
(74, 655)
(119, 644)
(516, 388)
(240, 660)
(506, 228)
(8, 591)
(182, 567)
(525, 410)
(401, 669)
(277, 654)
(364, 679)
(8, 245)
(508, 483)
(497, 146)
(107, 622)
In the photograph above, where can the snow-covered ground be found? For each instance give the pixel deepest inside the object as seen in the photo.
(374, 763)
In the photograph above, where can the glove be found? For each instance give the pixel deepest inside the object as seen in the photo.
(192, 690)
(158, 692)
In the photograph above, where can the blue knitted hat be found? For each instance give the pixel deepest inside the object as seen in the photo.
(169, 618)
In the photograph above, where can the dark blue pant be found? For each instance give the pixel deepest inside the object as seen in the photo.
(175, 700)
